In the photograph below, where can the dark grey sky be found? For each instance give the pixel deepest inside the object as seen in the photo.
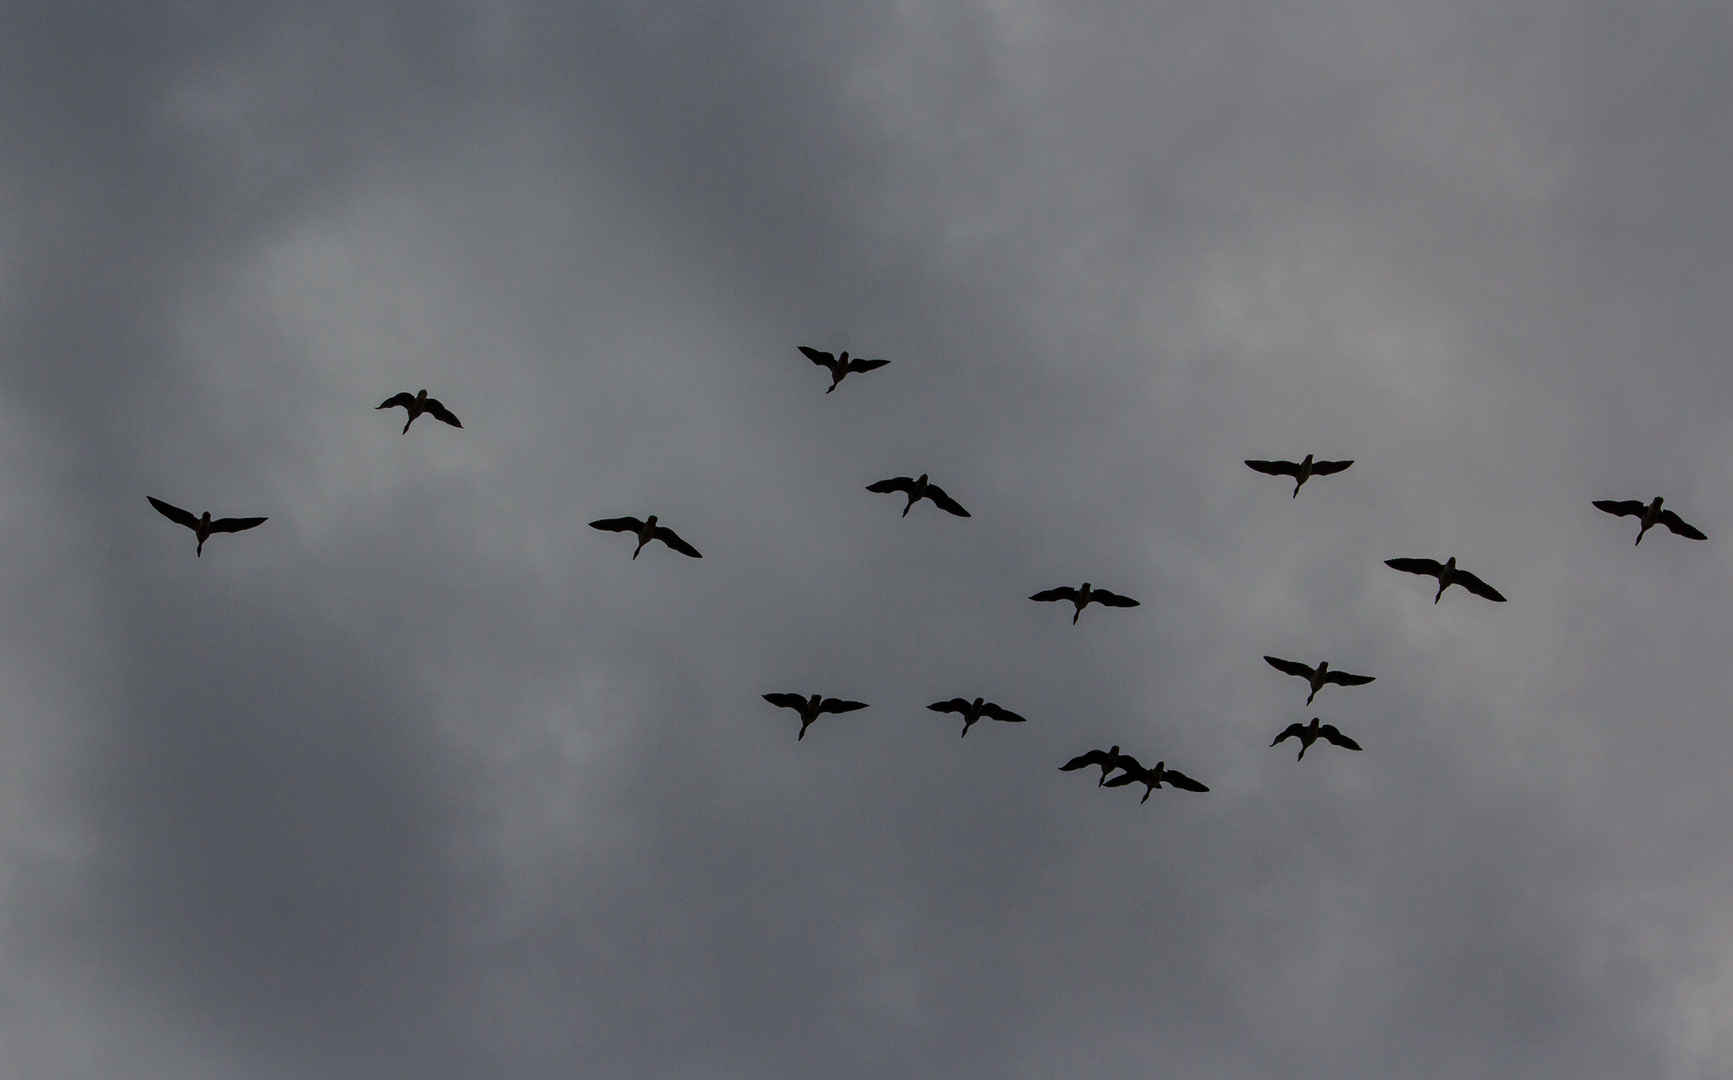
(424, 778)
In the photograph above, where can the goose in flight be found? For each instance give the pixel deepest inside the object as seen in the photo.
(1311, 733)
(840, 366)
(973, 711)
(1084, 597)
(1317, 676)
(1447, 575)
(416, 404)
(1109, 760)
(1151, 779)
(1300, 471)
(203, 527)
(810, 708)
(647, 531)
(1650, 516)
(918, 490)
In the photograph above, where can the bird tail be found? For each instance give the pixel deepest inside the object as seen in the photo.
(829, 388)
(1075, 616)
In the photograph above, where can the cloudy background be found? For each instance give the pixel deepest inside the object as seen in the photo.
(426, 779)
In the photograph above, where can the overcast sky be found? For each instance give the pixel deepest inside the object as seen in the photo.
(424, 778)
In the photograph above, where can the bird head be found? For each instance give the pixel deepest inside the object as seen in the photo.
(422, 396)
(979, 702)
(1306, 462)
(1450, 563)
(650, 522)
(206, 519)
(923, 479)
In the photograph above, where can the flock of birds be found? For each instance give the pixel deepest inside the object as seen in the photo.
(1128, 769)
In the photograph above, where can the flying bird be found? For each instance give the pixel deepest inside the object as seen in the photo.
(973, 711)
(1317, 676)
(1153, 778)
(416, 404)
(647, 531)
(1311, 733)
(810, 708)
(1301, 471)
(1447, 575)
(1109, 760)
(203, 527)
(1084, 597)
(840, 366)
(918, 490)
(1650, 516)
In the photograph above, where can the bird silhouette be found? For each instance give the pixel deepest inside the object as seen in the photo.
(1650, 516)
(203, 527)
(973, 711)
(1317, 676)
(840, 366)
(810, 708)
(416, 404)
(646, 531)
(1309, 734)
(1084, 597)
(1152, 778)
(1109, 760)
(918, 490)
(1301, 471)
(1447, 575)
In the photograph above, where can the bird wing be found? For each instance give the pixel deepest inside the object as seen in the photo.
(1330, 732)
(1131, 775)
(831, 704)
(1626, 508)
(1289, 667)
(1064, 592)
(1677, 524)
(822, 359)
(1415, 566)
(945, 502)
(173, 513)
(672, 539)
(956, 705)
(235, 524)
(440, 412)
(786, 701)
(1325, 468)
(1182, 781)
(997, 713)
(1477, 586)
(895, 483)
(627, 524)
(405, 399)
(1111, 599)
(857, 364)
(1275, 468)
(1342, 678)
(1292, 731)
(1083, 761)
(1129, 764)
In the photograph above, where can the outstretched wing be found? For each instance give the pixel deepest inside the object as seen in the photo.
(672, 539)
(1133, 774)
(1064, 592)
(1083, 761)
(405, 399)
(441, 413)
(1330, 732)
(857, 364)
(1111, 599)
(1477, 586)
(1325, 468)
(1415, 566)
(235, 524)
(1276, 468)
(822, 359)
(895, 483)
(945, 502)
(1182, 781)
(956, 705)
(831, 704)
(1625, 508)
(1677, 524)
(1289, 667)
(1292, 731)
(786, 701)
(997, 713)
(173, 513)
(627, 524)
(1342, 678)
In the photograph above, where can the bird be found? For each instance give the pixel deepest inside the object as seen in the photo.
(1301, 471)
(1650, 516)
(647, 531)
(918, 490)
(973, 711)
(1153, 778)
(1084, 597)
(1309, 734)
(1109, 760)
(416, 405)
(203, 527)
(1447, 575)
(840, 366)
(810, 708)
(1317, 676)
